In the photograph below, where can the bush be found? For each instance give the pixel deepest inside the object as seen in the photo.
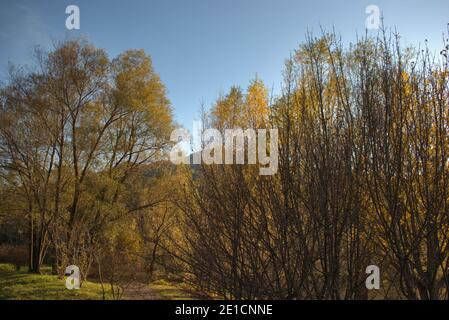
(14, 254)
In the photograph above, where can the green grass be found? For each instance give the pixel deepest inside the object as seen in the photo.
(19, 285)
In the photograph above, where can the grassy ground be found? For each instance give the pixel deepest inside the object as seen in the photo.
(20, 285)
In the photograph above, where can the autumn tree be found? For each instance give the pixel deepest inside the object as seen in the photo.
(75, 130)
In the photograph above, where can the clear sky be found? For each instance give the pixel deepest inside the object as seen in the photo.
(202, 47)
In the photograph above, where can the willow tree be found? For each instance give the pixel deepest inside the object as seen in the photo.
(75, 129)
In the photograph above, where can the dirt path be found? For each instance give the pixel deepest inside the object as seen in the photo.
(141, 292)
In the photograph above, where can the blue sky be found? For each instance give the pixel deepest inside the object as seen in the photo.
(202, 47)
